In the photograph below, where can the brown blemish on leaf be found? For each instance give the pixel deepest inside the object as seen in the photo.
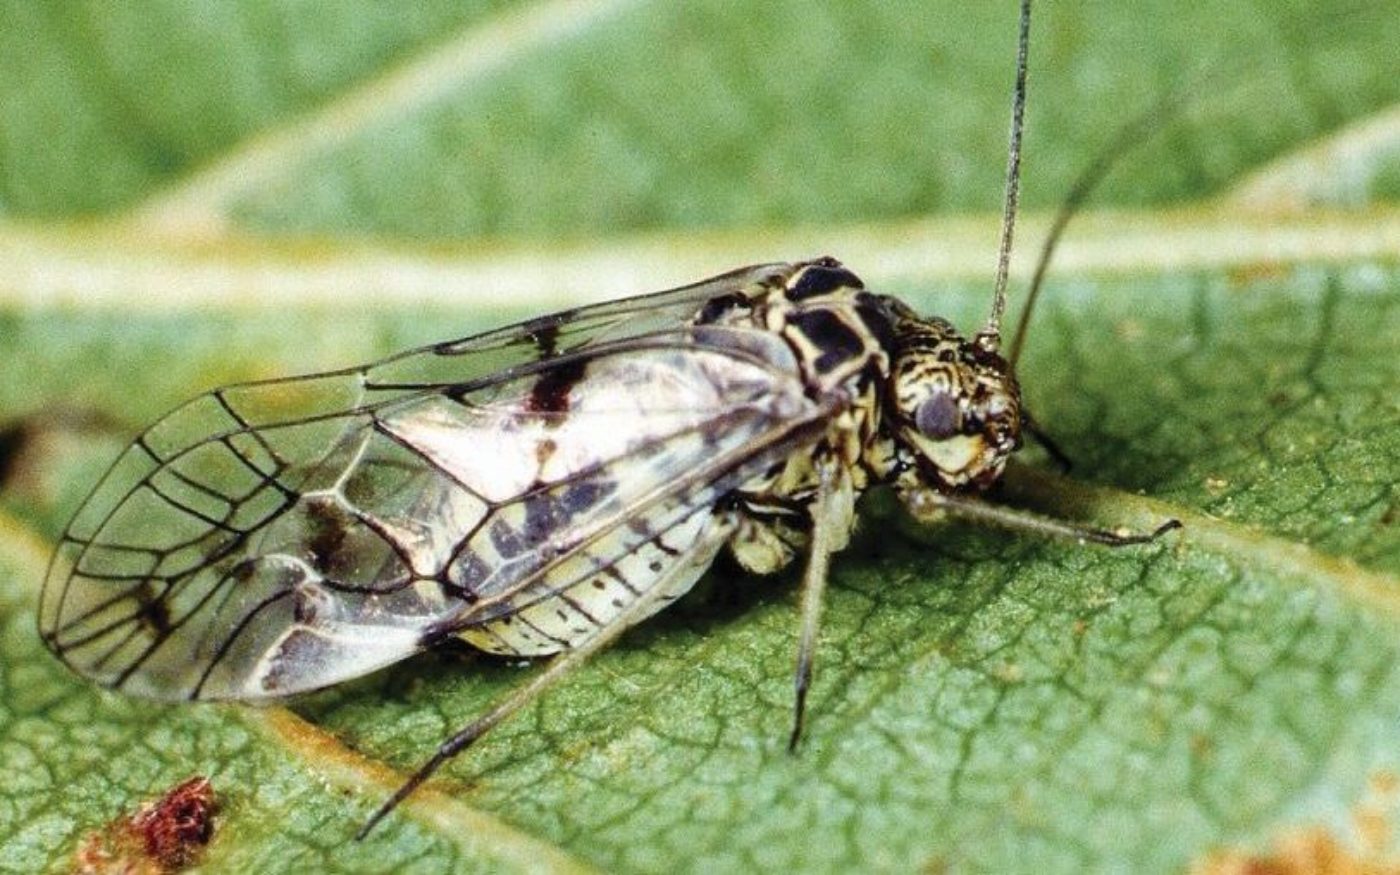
(1317, 851)
(1312, 851)
(1373, 816)
(176, 829)
(1372, 826)
(164, 836)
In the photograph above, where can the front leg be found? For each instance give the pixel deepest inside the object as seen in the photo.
(929, 505)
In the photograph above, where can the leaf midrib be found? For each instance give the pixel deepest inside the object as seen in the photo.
(103, 266)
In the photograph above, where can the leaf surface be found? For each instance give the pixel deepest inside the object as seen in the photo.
(984, 701)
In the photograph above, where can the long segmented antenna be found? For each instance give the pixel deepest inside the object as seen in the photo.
(1129, 136)
(991, 335)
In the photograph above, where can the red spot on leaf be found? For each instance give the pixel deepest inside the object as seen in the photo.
(162, 837)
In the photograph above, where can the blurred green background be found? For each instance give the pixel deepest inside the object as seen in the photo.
(193, 193)
(626, 116)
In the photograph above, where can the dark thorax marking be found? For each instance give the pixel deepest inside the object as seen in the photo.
(875, 315)
(835, 341)
(831, 321)
(821, 277)
(720, 306)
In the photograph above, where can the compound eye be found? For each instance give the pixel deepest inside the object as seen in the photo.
(937, 416)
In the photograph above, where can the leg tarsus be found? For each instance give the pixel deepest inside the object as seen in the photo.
(453, 746)
(802, 682)
(1165, 527)
(414, 781)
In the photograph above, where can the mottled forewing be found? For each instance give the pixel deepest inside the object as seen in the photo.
(278, 537)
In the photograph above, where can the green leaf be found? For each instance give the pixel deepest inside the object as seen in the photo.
(104, 104)
(984, 701)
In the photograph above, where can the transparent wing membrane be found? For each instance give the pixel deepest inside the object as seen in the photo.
(274, 537)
